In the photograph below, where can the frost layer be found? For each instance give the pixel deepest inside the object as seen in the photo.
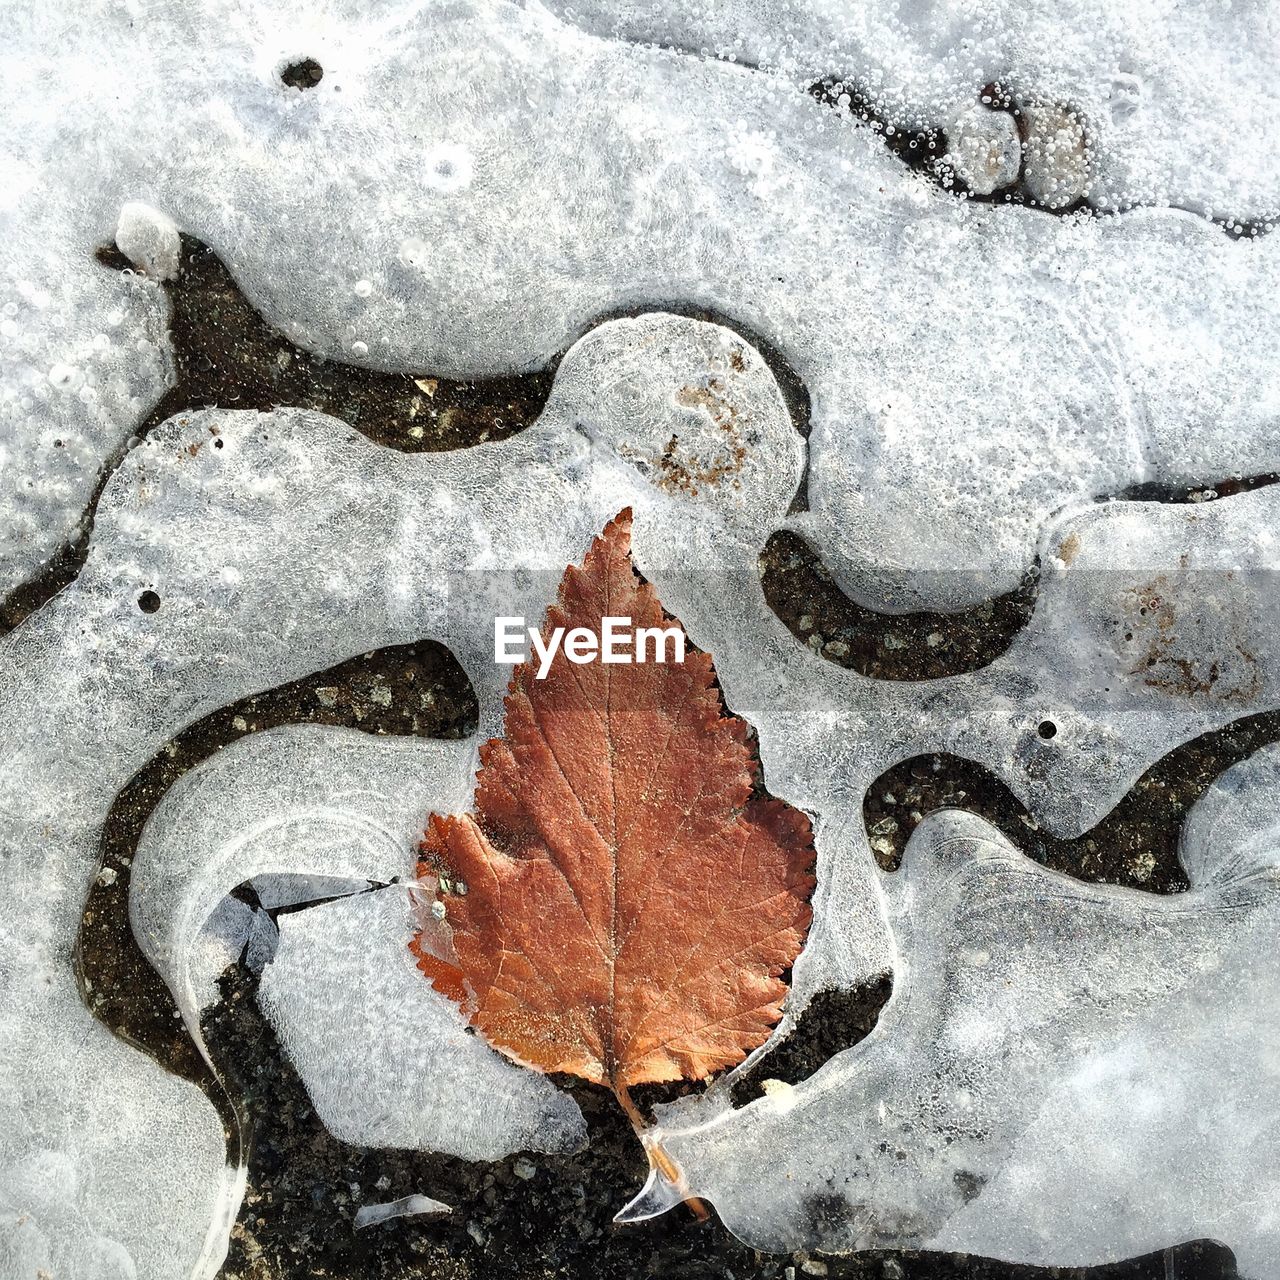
(351, 1007)
(1044, 1036)
(337, 809)
(1174, 98)
(984, 367)
(294, 543)
(93, 687)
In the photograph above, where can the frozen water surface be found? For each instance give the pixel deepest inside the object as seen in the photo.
(978, 376)
(533, 500)
(342, 989)
(1043, 1036)
(1105, 352)
(1173, 97)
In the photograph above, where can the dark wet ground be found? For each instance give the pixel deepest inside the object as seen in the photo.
(534, 1216)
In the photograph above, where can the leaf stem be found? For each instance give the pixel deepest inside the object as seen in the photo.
(666, 1165)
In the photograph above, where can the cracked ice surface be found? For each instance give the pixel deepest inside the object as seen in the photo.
(104, 686)
(402, 1040)
(94, 688)
(1107, 352)
(986, 373)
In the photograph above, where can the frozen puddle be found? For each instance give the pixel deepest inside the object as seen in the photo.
(1043, 1037)
(991, 386)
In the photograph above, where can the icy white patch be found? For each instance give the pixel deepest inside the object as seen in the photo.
(83, 359)
(1043, 1035)
(1002, 365)
(1233, 832)
(1056, 164)
(695, 412)
(103, 685)
(1155, 623)
(1174, 104)
(349, 1004)
(221, 941)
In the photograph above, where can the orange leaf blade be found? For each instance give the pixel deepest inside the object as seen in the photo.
(629, 905)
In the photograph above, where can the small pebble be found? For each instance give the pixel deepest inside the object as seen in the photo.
(983, 149)
(1056, 172)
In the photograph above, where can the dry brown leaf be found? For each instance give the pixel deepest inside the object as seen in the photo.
(621, 905)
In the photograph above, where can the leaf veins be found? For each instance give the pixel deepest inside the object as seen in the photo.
(630, 904)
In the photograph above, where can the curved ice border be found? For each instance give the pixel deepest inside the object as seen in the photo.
(383, 548)
(972, 370)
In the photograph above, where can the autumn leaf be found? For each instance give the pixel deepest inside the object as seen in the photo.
(621, 904)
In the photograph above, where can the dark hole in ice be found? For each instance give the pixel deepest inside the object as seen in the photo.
(302, 75)
(1136, 844)
(149, 602)
(1047, 730)
(907, 646)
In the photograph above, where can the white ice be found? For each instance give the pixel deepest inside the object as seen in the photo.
(424, 1082)
(1174, 97)
(978, 376)
(91, 669)
(1044, 1037)
(369, 1215)
(972, 369)
(331, 808)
